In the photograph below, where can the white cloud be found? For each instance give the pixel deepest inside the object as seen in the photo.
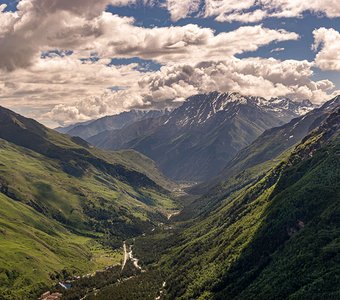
(256, 10)
(295, 8)
(190, 42)
(63, 81)
(28, 32)
(277, 50)
(253, 76)
(244, 17)
(328, 40)
(227, 10)
(3, 7)
(40, 25)
(249, 11)
(108, 103)
(181, 9)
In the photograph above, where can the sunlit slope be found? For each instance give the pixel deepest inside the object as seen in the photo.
(33, 247)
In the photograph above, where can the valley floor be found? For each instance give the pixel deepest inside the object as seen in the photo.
(125, 279)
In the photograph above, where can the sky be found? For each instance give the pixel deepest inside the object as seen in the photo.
(67, 61)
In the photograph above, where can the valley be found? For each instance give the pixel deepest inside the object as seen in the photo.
(169, 150)
(110, 223)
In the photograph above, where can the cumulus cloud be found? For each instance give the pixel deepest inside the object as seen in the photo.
(28, 32)
(40, 25)
(253, 76)
(227, 10)
(178, 44)
(295, 8)
(88, 8)
(181, 9)
(249, 11)
(108, 103)
(328, 41)
(257, 10)
(63, 81)
(244, 17)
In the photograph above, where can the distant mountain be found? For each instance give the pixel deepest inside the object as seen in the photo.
(273, 237)
(197, 139)
(66, 129)
(88, 129)
(201, 108)
(125, 138)
(62, 200)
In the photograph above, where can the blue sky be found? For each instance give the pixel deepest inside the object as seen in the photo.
(76, 60)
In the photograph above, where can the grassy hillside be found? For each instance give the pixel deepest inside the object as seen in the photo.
(76, 155)
(39, 181)
(35, 249)
(140, 163)
(66, 203)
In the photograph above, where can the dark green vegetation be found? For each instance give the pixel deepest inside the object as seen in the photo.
(147, 284)
(277, 238)
(143, 286)
(64, 202)
(87, 286)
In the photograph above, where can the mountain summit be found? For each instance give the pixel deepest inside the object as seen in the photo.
(200, 108)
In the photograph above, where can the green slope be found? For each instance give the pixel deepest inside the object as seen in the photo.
(277, 238)
(38, 181)
(33, 247)
(65, 202)
(75, 155)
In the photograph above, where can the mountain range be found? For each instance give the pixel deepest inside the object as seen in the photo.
(271, 144)
(91, 128)
(195, 141)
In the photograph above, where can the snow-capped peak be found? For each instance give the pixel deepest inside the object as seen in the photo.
(200, 108)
